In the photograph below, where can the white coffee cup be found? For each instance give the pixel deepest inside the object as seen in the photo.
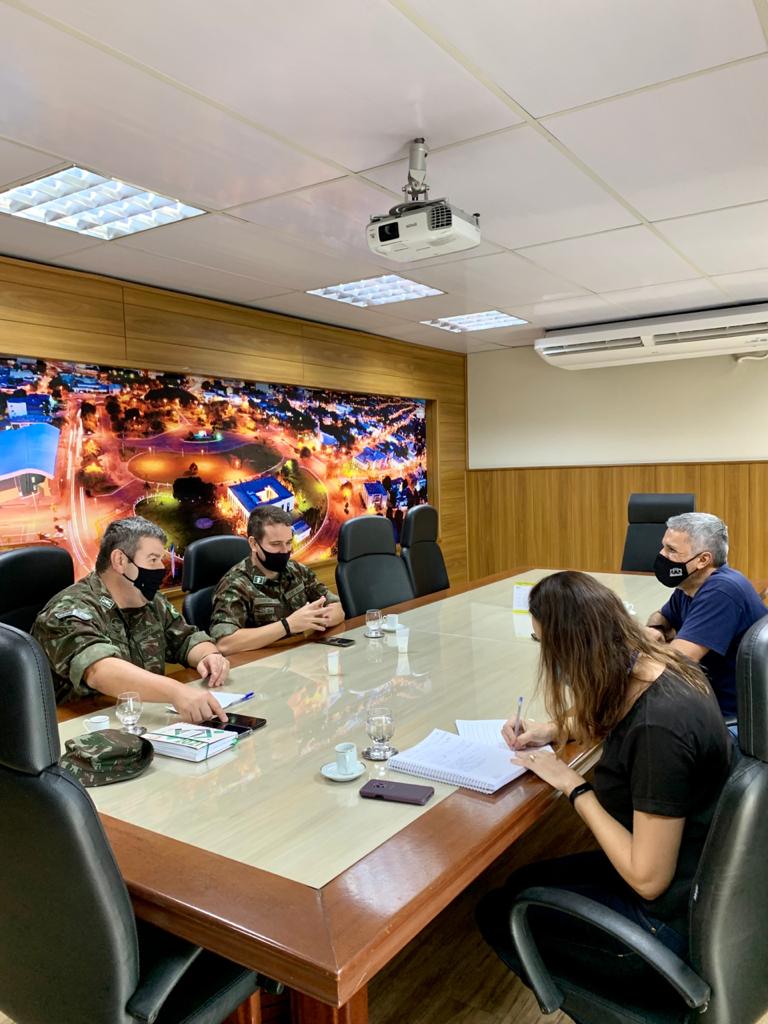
(334, 663)
(391, 622)
(97, 723)
(402, 635)
(346, 758)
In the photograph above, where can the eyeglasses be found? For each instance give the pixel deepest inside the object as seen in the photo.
(536, 638)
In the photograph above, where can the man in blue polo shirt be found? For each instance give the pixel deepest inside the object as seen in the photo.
(712, 605)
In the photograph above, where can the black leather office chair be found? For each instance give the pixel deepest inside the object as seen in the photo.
(369, 574)
(29, 578)
(421, 552)
(72, 951)
(647, 515)
(725, 980)
(205, 562)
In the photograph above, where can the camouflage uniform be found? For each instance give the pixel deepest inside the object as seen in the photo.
(245, 598)
(82, 624)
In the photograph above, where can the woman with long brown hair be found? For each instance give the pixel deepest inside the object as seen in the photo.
(665, 757)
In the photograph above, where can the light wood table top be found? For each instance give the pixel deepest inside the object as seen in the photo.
(256, 855)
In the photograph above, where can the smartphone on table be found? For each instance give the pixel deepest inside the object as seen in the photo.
(398, 792)
(241, 724)
(336, 641)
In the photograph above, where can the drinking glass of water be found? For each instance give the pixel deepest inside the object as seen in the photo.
(373, 623)
(128, 710)
(380, 727)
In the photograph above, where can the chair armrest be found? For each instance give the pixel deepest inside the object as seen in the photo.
(685, 981)
(163, 960)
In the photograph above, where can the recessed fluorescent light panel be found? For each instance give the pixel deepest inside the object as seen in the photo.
(376, 291)
(89, 204)
(475, 322)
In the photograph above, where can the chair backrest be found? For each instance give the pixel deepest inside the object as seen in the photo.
(647, 515)
(421, 552)
(197, 607)
(369, 574)
(67, 930)
(29, 578)
(729, 902)
(206, 560)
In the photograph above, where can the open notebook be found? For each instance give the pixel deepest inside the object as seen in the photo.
(446, 757)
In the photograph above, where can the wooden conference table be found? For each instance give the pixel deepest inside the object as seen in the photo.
(255, 855)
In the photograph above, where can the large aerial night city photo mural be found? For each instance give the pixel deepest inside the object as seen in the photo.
(81, 445)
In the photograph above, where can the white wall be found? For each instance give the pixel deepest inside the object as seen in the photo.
(524, 412)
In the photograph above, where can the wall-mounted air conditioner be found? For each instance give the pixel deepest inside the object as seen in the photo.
(739, 330)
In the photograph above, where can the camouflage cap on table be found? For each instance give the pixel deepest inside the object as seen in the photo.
(100, 758)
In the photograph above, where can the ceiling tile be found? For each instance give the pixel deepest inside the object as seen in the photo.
(434, 338)
(353, 63)
(18, 163)
(502, 280)
(118, 120)
(657, 299)
(147, 268)
(334, 214)
(724, 241)
(570, 312)
(326, 311)
(237, 247)
(524, 189)
(682, 148)
(30, 241)
(595, 49)
(751, 286)
(627, 258)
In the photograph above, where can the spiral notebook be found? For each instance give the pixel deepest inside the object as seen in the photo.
(446, 757)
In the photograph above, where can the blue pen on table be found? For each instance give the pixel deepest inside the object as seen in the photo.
(517, 716)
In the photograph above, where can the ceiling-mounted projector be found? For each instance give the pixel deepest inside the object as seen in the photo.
(422, 227)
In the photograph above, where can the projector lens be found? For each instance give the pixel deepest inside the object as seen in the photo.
(389, 232)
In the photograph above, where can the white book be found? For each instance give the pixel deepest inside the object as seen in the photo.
(446, 757)
(190, 742)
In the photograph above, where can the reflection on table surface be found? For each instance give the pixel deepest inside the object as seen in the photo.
(265, 803)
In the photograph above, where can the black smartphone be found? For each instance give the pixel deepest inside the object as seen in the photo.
(336, 641)
(241, 724)
(399, 792)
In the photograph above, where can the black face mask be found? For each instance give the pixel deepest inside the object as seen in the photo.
(148, 581)
(274, 561)
(670, 573)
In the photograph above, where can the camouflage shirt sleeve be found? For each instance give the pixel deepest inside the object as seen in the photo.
(180, 636)
(73, 637)
(231, 605)
(313, 587)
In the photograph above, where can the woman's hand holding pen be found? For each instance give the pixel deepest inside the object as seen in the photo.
(531, 734)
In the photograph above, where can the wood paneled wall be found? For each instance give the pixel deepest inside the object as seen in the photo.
(53, 313)
(576, 516)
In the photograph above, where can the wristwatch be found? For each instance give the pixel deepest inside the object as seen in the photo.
(286, 627)
(584, 787)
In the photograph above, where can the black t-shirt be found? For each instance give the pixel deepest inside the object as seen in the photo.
(669, 755)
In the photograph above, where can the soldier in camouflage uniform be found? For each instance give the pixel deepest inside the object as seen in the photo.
(267, 597)
(112, 631)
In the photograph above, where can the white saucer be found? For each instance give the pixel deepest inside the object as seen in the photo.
(390, 629)
(331, 772)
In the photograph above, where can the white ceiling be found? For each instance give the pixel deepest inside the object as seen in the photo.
(617, 151)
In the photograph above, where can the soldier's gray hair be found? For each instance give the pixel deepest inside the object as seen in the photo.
(266, 515)
(126, 534)
(707, 533)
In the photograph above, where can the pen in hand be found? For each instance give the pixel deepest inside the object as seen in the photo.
(517, 717)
